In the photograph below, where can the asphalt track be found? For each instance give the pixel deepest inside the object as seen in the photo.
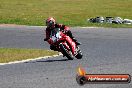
(106, 50)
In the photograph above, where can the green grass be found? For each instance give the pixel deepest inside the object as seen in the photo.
(69, 12)
(14, 54)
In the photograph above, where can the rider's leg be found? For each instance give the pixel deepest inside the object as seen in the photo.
(52, 47)
(73, 38)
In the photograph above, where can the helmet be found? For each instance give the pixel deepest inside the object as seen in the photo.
(50, 22)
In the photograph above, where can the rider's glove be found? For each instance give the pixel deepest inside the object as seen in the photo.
(45, 39)
(50, 41)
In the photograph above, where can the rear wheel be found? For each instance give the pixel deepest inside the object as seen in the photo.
(66, 52)
(79, 55)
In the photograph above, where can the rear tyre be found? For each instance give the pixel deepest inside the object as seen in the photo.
(79, 55)
(66, 52)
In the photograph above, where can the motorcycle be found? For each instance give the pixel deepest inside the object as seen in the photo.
(64, 44)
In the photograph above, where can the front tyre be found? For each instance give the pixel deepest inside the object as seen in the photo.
(66, 52)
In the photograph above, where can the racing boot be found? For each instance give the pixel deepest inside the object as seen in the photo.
(52, 47)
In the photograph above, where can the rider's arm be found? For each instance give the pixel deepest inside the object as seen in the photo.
(62, 27)
(47, 34)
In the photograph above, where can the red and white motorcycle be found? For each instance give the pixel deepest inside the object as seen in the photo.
(65, 44)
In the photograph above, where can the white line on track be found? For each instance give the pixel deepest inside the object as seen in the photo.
(22, 61)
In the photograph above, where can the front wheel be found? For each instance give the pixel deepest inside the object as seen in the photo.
(66, 52)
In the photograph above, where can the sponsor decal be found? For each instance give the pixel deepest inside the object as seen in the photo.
(83, 78)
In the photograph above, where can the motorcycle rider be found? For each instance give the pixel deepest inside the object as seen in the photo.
(51, 24)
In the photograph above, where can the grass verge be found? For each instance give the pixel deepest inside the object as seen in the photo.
(72, 13)
(14, 54)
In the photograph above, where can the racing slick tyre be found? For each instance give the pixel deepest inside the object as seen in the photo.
(66, 52)
(79, 55)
